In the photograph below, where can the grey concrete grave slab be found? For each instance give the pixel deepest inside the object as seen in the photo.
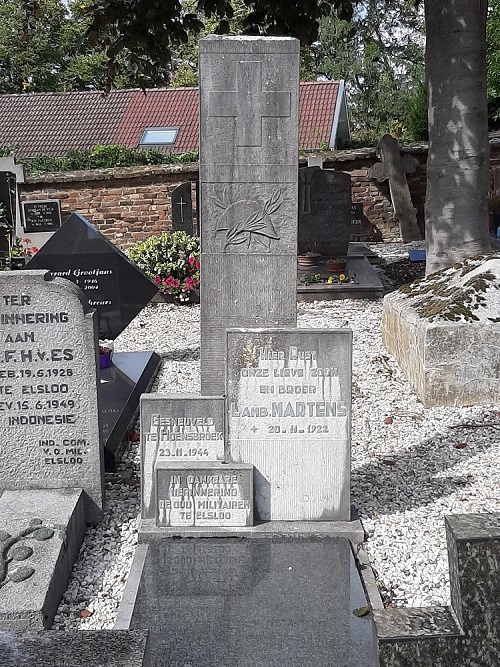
(203, 494)
(443, 332)
(178, 427)
(40, 536)
(49, 388)
(289, 414)
(325, 214)
(75, 648)
(466, 634)
(248, 187)
(258, 603)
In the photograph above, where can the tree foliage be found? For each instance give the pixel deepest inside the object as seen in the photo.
(42, 48)
(493, 62)
(380, 54)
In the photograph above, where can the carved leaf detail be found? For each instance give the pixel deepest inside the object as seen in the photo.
(21, 574)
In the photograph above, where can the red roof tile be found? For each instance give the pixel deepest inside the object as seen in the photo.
(53, 123)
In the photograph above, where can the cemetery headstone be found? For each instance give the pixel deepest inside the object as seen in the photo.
(324, 212)
(394, 167)
(182, 209)
(178, 427)
(48, 388)
(7, 211)
(41, 216)
(248, 181)
(113, 285)
(288, 414)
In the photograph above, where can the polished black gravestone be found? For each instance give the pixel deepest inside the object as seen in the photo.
(324, 212)
(259, 602)
(182, 209)
(118, 290)
(41, 216)
(112, 283)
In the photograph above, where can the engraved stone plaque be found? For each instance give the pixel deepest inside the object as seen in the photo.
(178, 427)
(210, 494)
(48, 388)
(182, 209)
(288, 413)
(248, 185)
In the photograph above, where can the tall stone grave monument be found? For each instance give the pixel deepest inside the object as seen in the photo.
(248, 178)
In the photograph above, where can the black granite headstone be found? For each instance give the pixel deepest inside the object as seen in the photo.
(113, 285)
(7, 198)
(42, 216)
(253, 602)
(182, 209)
(324, 211)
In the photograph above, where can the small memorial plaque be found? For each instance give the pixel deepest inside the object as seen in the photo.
(112, 283)
(41, 216)
(209, 494)
(178, 427)
(288, 412)
(48, 388)
(182, 209)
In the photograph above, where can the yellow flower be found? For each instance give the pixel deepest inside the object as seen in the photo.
(341, 277)
(330, 280)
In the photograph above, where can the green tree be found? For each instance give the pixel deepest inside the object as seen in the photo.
(380, 54)
(46, 50)
(144, 32)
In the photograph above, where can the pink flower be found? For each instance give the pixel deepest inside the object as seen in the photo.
(197, 264)
(157, 280)
(175, 283)
(191, 260)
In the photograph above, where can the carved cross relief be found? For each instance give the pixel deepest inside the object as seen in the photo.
(249, 104)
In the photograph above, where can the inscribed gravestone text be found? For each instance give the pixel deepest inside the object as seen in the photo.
(48, 387)
(288, 411)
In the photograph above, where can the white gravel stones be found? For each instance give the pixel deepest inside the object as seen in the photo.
(410, 465)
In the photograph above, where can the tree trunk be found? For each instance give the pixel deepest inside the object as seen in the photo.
(456, 209)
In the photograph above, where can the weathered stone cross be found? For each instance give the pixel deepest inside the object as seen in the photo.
(249, 104)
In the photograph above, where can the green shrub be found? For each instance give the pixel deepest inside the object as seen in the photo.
(106, 157)
(172, 260)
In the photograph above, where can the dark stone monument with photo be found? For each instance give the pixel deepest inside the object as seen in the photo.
(118, 290)
(182, 209)
(41, 216)
(324, 212)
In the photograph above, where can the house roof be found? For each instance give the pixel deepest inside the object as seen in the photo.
(53, 123)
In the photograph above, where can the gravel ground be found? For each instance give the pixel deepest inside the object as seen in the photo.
(410, 465)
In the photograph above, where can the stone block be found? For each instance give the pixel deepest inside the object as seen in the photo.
(49, 388)
(40, 536)
(75, 648)
(447, 361)
(248, 190)
(467, 634)
(178, 428)
(204, 494)
(289, 414)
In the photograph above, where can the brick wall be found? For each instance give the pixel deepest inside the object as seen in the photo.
(132, 203)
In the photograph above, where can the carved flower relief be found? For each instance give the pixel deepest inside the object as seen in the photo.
(247, 223)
